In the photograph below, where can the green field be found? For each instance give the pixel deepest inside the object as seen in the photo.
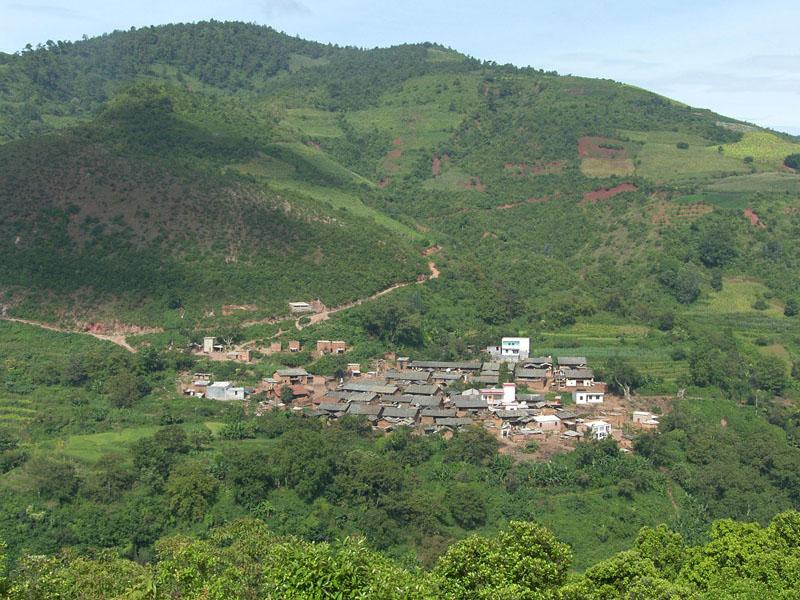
(759, 182)
(763, 146)
(737, 297)
(660, 159)
(89, 448)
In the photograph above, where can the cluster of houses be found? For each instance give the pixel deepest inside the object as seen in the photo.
(409, 399)
(443, 396)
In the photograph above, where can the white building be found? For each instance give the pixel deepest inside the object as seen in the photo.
(208, 344)
(584, 397)
(515, 348)
(224, 390)
(298, 308)
(598, 430)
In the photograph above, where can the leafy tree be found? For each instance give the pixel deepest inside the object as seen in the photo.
(769, 374)
(113, 477)
(472, 445)
(8, 439)
(792, 307)
(792, 161)
(623, 377)
(150, 360)
(2, 567)
(191, 489)
(53, 479)
(665, 548)
(524, 555)
(125, 389)
(680, 280)
(286, 394)
(717, 245)
(467, 505)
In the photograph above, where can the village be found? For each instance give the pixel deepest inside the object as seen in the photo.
(516, 396)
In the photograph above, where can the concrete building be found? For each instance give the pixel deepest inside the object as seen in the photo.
(598, 430)
(208, 344)
(588, 397)
(299, 308)
(547, 422)
(224, 390)
(515, 348)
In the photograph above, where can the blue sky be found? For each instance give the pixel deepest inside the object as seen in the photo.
(739, 58)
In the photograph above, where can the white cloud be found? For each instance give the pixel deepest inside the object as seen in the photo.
(61, 12)
(275, 8)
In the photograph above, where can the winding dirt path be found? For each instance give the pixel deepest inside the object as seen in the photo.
(119, 340)
(325, 314)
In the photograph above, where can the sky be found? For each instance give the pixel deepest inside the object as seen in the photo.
(739, 58)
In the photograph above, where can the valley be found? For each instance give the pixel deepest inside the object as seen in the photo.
(252, 291)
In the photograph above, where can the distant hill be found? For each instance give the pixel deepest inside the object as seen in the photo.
(190, 166)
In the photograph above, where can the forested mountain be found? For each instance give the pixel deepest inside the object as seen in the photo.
(172, 182)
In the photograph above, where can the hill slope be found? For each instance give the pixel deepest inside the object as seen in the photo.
(553, 197)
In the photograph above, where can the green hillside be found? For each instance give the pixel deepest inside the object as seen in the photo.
(172, 182)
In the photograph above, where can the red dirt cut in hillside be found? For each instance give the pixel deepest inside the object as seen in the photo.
(436, 166)
(753, 218)
(605, 194)
(600, 147)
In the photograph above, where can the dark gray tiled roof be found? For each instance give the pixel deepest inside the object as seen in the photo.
(440, 365)
(332, 407)
(454, 421)
(438, 412)
(578, 373)
(399, 412)
(377, 388)
(420, 389)
(571, 361)
(418, 376)
(364, 409)
(469, 402)
(530, 373)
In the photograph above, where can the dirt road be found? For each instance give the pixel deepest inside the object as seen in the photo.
(119, 340)
(325, 314)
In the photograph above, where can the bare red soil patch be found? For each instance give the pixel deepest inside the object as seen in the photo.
(474, 183)
(753, 218)
(436, 166)
(605, 194)
(314, 144)
(600, 147)
(432, 250)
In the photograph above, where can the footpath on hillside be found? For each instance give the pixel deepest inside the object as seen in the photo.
(117, 339)
(120, 339)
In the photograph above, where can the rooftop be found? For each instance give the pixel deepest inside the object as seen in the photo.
(441, 365)
(378, 388)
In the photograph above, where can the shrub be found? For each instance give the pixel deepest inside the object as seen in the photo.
(792, 161)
